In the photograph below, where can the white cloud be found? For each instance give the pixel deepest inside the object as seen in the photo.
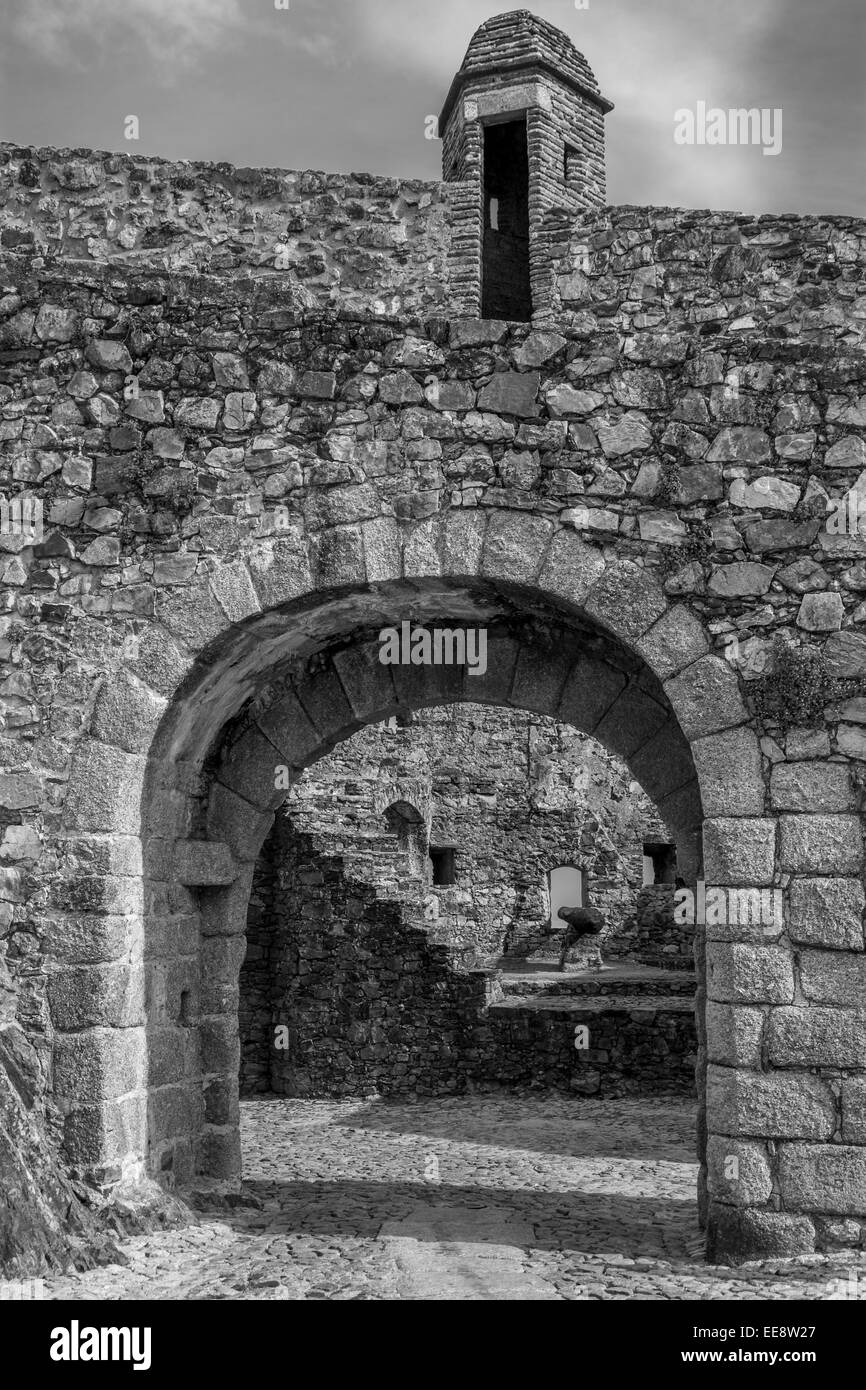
(175, 32)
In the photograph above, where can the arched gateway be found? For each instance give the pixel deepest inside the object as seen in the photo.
(263, 447)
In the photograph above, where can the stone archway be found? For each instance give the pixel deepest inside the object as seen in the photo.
(594, 645)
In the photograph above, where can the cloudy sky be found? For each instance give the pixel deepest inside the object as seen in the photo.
(348, 85)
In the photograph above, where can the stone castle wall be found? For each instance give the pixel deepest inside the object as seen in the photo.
(648, 462)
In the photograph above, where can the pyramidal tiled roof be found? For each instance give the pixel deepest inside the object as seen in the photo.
(520, 39)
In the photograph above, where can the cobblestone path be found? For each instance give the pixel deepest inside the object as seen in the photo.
(483, 1197)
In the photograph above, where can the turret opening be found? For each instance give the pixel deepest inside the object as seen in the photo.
(506, 290)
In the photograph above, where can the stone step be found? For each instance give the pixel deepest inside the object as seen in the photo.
(588, 1004)
(611, 984)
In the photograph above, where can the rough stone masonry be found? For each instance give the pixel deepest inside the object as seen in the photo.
(265, 419)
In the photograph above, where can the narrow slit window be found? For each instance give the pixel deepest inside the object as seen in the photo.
(506, 292)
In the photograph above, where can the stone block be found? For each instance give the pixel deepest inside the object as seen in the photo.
(590, 691)
(770, 1105)
(706, 697)
(511, 393)
(540, 686)
(821, 844)
(250, 768)
(337, 557)
(240, 825)
(738, 1171)
(833, 977)
(221, 1102)
(368, 684)
(816, 1037)
(729, 770)
(97, 996)
(515, 546)
(218, 1154)
(632, 721)
(739, 851)
(203, 864)
(219, 1045)
(192, 615)
(845, 654)
(827, 912)
(823, 1178)
(383, 555)
(743, 973)
(106, 1134)
(127, 713)
(812, 787)
(99, 1064)
(734, 1035)
(172, 1054)
(736, 1235)
(174, 1110)
(280, 569)
(105, 789)
(675, 641)
(232, 587)
(627, 599)
(88, 940)
(462, 542)
(288, 728)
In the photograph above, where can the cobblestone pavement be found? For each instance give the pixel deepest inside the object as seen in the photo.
(482, 1197)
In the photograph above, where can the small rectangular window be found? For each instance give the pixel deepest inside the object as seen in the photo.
(442, 860)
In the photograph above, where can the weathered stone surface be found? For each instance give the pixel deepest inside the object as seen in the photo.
(821, 844)
(821, 612)
(511, 393)
(740, 580)
(734, 1035)
(814, 1037)
(203, 863)
(827, 912)
(739, 851)
(769, 493)
(729, 771)
(845, 654)
(823, 1177)
(831, 977)
(739, 1171)
(783, 1104)
(740, 973)
(706, 697)
(740, 444)
(813, 786)
(735, 1235)
(627, 435)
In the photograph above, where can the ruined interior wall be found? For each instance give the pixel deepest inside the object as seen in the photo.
(516, 794)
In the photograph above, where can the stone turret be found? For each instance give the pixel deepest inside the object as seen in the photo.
(523, 131)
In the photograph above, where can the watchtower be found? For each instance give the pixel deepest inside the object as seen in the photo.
(523, 131)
